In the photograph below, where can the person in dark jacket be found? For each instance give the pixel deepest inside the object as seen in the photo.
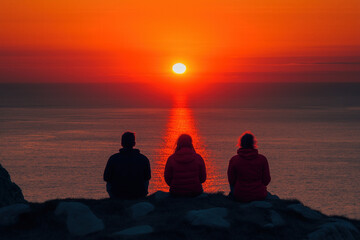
(248, 171)
(127, 173)
(185, 170)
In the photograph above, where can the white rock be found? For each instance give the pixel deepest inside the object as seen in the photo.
(305, 211)
(339, 229)
(212, 217)
(9, 214)
(80, 219)
(141, 209)
(160, 195)
(138, 230)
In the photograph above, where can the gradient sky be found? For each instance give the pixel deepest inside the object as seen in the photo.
(139, 41)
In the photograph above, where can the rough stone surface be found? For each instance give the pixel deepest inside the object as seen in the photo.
(203, 195)
(160, 195)
(9, 214)
(212, 217)
(272, 197)
(275, 220)
(138, 230)
(141, 209)
(259, 204)
(305, 211)
(10, 192)
(80, 219)
(338, 229)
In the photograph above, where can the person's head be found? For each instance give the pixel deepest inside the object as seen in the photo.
(247, 140)
(128, 140)
(184, 140)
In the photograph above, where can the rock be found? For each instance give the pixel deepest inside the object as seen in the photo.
(203, 195)
(138, 230)
(276, 220)
(9, 214)
(80, 219)
(339, 229)
(258, 204)
(272, 197)
(212, 217)
(160, 195)
(141, 209)
(305, 211)
(10, 192)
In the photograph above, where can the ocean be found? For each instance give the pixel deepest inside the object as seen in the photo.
(58, 149)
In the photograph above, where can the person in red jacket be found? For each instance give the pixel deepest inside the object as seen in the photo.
(248, 172)
(185, 169)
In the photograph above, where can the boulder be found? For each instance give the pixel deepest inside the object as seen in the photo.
(305, 211)
(258, 204)
(141, 209)
(10, 192)
(275, 220)
(9, 215)
(80, 219)
(160, 195)
(212, 217)
(138, 230)
(203, 195)
(337, 229)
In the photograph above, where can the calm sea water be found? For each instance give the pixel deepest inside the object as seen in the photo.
(314, 154)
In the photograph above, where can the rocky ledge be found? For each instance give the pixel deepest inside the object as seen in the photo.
(159, 216)
(210, 216)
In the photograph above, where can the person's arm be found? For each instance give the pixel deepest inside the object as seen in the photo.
(266, 173)
(108, 171)
(231, 172)
(168, 172)
(202, 170)
(147, 169)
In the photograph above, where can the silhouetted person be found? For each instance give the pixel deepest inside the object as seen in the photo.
(127, 173)
(248, 171)
(185, 169)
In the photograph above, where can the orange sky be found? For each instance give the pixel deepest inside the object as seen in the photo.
(228, 40)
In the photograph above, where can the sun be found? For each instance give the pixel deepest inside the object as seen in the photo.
(179, 68)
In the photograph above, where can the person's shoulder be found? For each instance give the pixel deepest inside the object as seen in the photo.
(235, 157)
(262, 157)
(141, 156)
(114, 156)
(172, 157)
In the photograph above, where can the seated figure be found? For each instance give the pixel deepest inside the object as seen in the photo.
(185, 169)
(127, 172)
(248, 172)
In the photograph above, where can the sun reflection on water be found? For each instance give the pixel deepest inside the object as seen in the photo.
(180, 121)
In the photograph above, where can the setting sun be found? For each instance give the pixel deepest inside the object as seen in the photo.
(179, 68)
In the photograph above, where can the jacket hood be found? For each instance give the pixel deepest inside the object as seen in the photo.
(248, 153)
(129, 150)
(185, 155)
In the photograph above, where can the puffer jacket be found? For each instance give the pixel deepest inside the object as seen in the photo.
(248, 175)
(185, 171)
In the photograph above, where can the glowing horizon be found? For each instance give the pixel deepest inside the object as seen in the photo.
(85, 41)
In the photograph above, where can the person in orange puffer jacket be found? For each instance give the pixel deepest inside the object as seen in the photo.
(185, 170)
(248, 172)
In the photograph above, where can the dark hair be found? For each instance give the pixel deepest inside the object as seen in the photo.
(247, 140)
(128, 140)
(184, 140)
